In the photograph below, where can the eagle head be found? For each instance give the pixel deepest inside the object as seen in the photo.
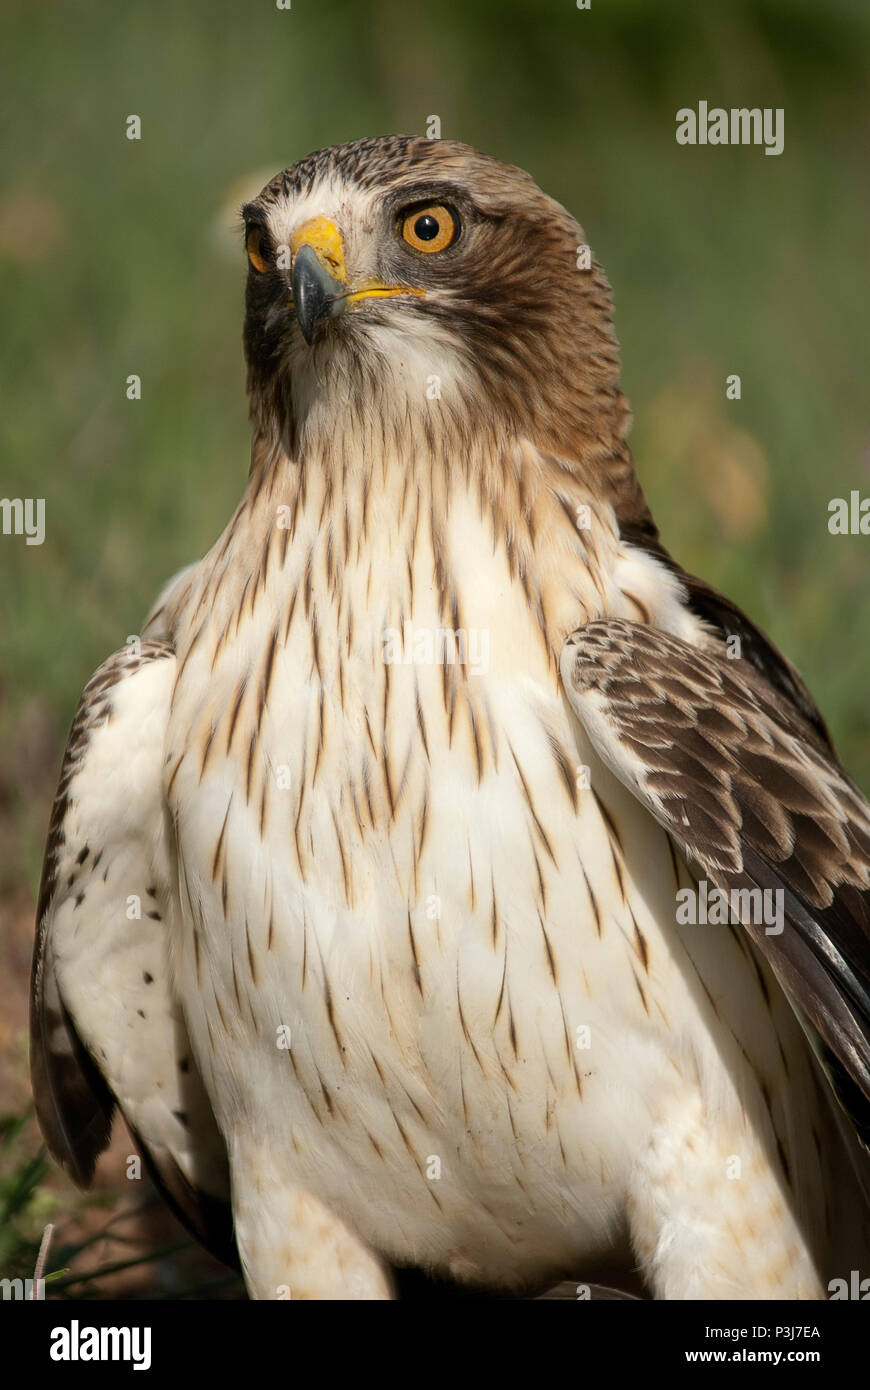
(387, 275)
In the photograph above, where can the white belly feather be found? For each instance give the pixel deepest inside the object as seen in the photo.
(490, 1009)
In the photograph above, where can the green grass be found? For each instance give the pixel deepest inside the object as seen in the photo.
(33, 1195)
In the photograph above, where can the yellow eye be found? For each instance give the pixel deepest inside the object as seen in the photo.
(257, 248)
(431, 228)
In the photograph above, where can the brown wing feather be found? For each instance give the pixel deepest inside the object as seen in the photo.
(722, 614)
(727, 764)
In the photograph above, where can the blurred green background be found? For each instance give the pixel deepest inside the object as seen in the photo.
(722, 260)
(121, 257)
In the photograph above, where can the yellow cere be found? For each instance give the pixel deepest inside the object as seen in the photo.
(325, 239)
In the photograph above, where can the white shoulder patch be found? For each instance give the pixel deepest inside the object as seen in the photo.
(653, 593)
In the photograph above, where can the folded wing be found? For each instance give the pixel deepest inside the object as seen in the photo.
(727, 764)
(106, 1028)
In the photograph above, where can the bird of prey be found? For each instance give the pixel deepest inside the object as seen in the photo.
(365, 884)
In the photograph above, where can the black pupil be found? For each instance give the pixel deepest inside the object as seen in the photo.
(426, 228)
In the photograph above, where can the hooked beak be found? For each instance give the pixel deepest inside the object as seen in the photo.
(321, 288)
(316, 294)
